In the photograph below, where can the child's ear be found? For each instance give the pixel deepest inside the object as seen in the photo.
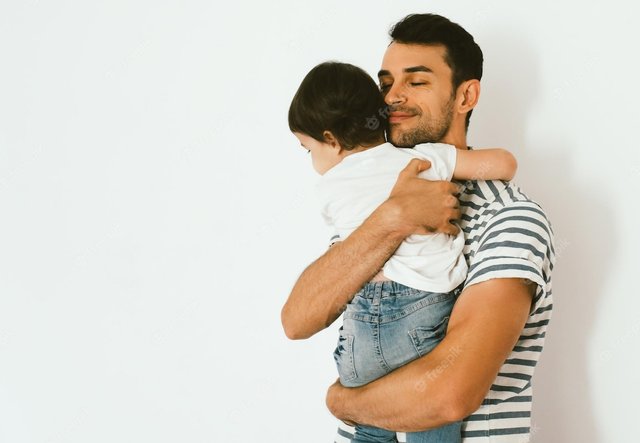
(330, 139)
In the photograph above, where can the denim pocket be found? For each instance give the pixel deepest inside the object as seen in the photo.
(343, 356)
(424, 339)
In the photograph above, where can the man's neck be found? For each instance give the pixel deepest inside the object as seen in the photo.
(457, 140)
(456, 134)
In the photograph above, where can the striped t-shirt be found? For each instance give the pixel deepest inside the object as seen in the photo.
(507, 236)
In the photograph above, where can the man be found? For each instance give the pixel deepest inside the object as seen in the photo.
(481, 372)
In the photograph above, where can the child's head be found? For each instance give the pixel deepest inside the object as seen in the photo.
(338, 108)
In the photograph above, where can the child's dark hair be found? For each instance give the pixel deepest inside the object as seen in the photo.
(340, 98)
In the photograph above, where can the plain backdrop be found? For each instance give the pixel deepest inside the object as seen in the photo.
(156, 211)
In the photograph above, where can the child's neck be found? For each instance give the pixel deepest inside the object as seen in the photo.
(345, 153)
(361, 148)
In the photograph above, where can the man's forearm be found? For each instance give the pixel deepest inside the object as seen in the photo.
(412, 398)
(328, 284)
(451, 381)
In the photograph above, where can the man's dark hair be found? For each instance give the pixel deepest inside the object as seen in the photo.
(463, 55)
(340, 98)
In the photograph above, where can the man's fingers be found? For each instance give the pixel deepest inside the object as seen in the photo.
(451, 202)
(450, 188)
(450, 229)
(415, 167)
(425, 230)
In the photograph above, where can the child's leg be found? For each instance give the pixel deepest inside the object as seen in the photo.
(367, 369)
(451, 433)
(357, 354)
(369, 434)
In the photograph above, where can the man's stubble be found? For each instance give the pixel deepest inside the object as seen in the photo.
(431, 130)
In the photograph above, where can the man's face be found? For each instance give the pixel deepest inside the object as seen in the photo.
(416, 83)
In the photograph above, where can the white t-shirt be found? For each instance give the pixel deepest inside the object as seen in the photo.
(350, 191)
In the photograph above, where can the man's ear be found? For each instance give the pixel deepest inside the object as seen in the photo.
(468, 96)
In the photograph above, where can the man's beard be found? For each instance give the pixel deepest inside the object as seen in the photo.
(430, 131)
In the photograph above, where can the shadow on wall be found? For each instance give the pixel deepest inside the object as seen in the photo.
(563, 408)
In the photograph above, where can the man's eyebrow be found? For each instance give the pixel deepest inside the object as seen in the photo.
(419, 68)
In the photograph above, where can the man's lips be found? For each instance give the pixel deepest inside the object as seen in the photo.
(397, 117)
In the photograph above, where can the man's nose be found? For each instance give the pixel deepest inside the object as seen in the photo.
(395, 95)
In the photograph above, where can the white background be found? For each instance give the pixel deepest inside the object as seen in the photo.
(155, 210)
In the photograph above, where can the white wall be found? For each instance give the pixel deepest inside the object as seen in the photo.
(156, 211)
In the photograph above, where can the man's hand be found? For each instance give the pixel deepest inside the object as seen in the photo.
(424, 206)
(333, 397)
(335, 388)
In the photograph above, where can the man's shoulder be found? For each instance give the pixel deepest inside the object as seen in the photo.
(507, 234)
(490, 191)
(481, 200)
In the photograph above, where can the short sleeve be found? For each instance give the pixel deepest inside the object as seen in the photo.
(335, 236)
(517, 243)
(442, 158)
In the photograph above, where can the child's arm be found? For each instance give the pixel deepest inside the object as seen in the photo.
(485, 164)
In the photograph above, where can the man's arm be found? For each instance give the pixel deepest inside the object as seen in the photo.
(450, 382)
(325, 287)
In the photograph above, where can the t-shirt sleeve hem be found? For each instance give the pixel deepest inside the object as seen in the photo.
(515, 268)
